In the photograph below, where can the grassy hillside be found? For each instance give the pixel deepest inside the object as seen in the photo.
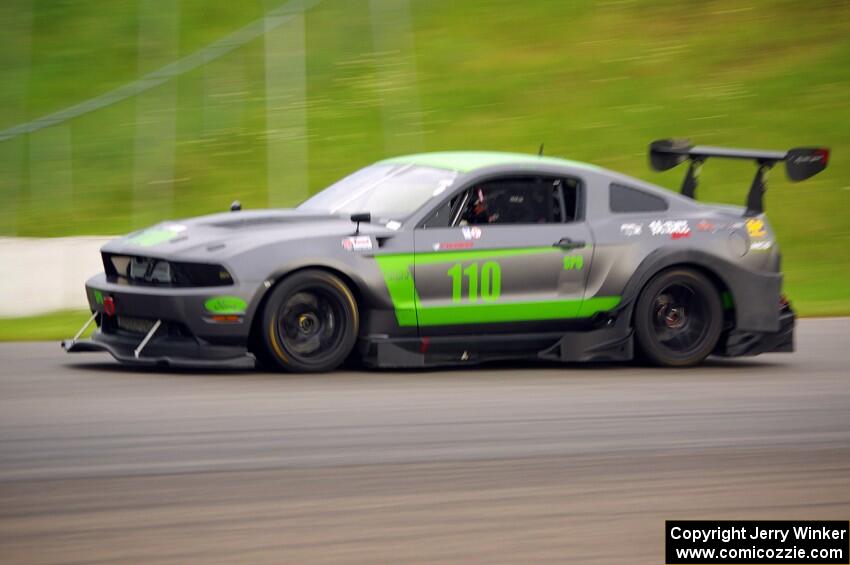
(595, 81)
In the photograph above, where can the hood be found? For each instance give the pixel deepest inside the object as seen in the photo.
(230, 233)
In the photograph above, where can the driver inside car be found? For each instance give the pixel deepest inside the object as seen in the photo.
(482, 210)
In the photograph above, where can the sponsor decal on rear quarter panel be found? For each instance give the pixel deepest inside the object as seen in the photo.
(676, 229)
(630, 230)
(755, 227)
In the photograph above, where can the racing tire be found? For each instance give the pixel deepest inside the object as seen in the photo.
(310, 323)
(678, 318)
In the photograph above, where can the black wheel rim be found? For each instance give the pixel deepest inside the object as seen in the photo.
(311, 324)
(680, 318)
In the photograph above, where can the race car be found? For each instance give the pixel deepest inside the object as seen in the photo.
(458, 258)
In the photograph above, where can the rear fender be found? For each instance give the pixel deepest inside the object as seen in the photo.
(755, 294)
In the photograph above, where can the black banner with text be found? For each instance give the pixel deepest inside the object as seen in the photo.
(694, 542)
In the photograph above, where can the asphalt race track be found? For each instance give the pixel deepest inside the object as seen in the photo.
(578, 464)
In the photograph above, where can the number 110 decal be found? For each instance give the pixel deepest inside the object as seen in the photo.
(490, 280)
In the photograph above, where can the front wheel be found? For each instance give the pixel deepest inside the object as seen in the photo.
(310, 322)
(678, 318)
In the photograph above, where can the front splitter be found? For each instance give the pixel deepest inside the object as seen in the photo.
(242, 361)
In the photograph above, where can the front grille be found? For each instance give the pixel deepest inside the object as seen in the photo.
(151, 271)
(139, 327)
(134, 325)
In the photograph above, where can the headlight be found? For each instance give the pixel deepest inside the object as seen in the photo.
(150, 270)
(159, 272)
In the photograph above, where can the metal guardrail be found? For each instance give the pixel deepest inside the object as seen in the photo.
(271, 20)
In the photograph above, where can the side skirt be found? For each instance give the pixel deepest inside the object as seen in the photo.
(604, 344)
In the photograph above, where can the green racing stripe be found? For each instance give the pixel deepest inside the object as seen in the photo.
(152, 236)
(398, 275)
(397, 270)
(515, 311)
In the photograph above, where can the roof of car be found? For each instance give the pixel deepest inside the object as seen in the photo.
(467, 161)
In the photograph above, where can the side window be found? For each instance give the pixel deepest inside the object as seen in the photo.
(622, 199)
(519, 200)
(442, 218)
(569, 192)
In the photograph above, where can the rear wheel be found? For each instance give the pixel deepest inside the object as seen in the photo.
(310, 322)
(678, 318)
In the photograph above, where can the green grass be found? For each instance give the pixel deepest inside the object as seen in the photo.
(55, 326)
(595, 81)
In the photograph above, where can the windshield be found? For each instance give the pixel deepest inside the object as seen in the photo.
(388, 192)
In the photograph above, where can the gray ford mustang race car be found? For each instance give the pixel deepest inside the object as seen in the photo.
(458, 258)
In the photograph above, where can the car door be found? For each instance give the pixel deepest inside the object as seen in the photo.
(507, 254)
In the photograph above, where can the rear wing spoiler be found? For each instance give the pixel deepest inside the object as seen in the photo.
(800, 163)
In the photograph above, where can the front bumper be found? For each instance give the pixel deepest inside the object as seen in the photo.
(187, 333)
(162, 352)
(741, 343)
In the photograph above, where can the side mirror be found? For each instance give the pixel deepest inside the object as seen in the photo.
(360, 217)
(236, 206)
